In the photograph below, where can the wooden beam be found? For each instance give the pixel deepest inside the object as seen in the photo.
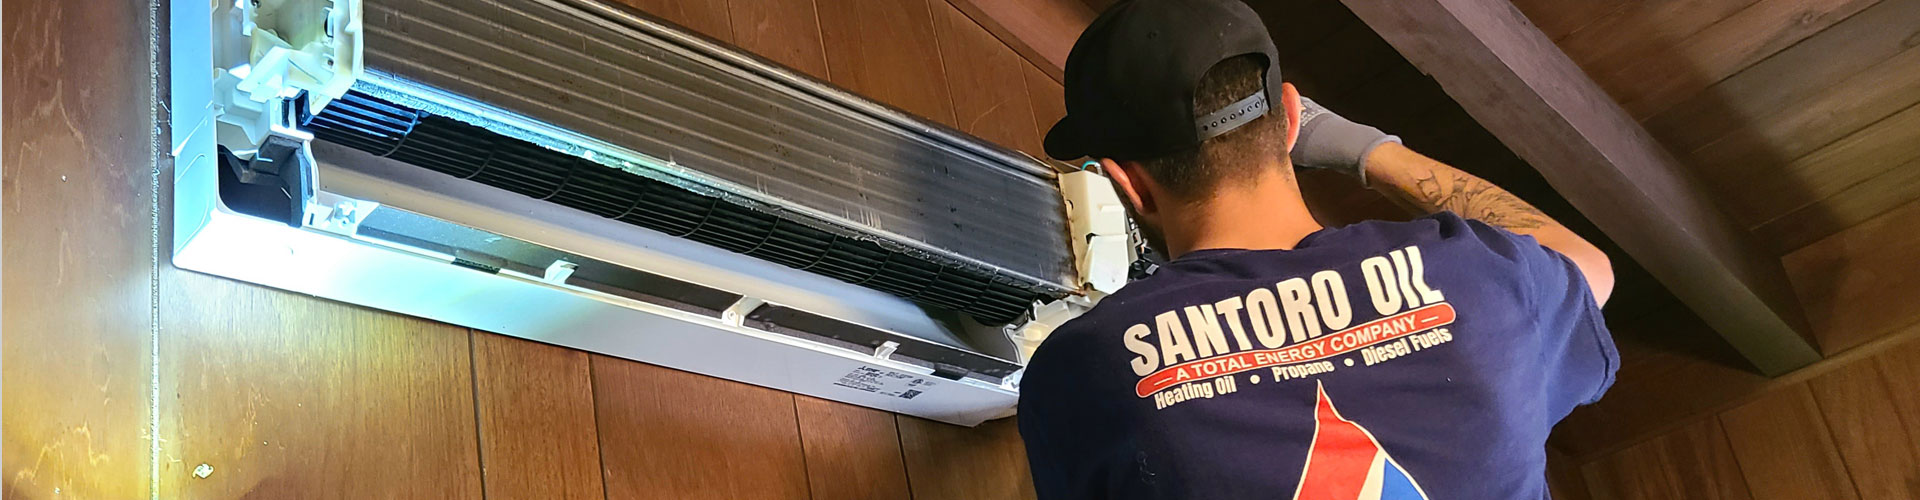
(1042, 31)
(1521, 87)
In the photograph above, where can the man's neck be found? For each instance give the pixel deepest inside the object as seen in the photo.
(1266, 214)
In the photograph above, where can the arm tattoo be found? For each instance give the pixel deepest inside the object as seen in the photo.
(1474, 198)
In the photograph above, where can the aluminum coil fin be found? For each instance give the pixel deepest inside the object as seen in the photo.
(776, 146)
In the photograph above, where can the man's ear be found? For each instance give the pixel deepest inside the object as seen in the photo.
(1132, 184)
(1290, 103)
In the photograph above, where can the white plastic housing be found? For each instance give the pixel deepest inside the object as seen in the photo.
(1101, 249)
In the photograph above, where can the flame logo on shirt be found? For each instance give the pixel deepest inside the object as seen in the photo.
(1347, 463)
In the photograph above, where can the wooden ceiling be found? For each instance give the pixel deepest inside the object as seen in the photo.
(1799, 118)
(1802, 119)
(1800, 115)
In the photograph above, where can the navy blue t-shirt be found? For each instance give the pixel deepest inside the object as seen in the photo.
(1383, 360)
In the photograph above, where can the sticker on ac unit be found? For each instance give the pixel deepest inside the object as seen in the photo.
(885, 382)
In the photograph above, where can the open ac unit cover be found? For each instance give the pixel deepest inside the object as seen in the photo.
(584, 175)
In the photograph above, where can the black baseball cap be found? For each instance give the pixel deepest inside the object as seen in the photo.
(1131, 76)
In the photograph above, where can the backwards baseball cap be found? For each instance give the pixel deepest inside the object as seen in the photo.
(1131, 76)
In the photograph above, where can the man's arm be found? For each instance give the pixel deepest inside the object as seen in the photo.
(1330, 141)
(1421, 183)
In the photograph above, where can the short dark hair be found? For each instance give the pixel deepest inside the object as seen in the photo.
(1237, 154)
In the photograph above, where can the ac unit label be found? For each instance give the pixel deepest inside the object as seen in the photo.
(885, 382)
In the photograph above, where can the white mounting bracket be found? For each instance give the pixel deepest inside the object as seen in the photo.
(736, 314)
(1047, 317)
(338, 214)
(558, 272)
(274, 50)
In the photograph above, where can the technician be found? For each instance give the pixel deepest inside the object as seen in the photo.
(1271, 357)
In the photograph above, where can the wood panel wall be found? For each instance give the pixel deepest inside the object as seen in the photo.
(76, 198)
(124, 374)
(1847, 433)
(1805, 110)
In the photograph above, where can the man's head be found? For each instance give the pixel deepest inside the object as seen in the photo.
(1177, 98)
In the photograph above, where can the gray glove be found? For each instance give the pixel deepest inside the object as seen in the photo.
(1333, 142)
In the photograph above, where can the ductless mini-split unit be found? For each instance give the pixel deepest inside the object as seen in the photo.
(586, 176)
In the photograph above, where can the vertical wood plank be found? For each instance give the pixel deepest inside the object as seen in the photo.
(786, 31)
(289, 396)
(985, 80)
(537, 434)
(1860, 284)
(1040, 31)
(706, 17)
(952, 462)
(1692, 462)
(1049, 106)
(78, 250)
(1874, 411)
(1784, 448)
(885, 50)
(851, 452)
(1564, 481)
(665, 433)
